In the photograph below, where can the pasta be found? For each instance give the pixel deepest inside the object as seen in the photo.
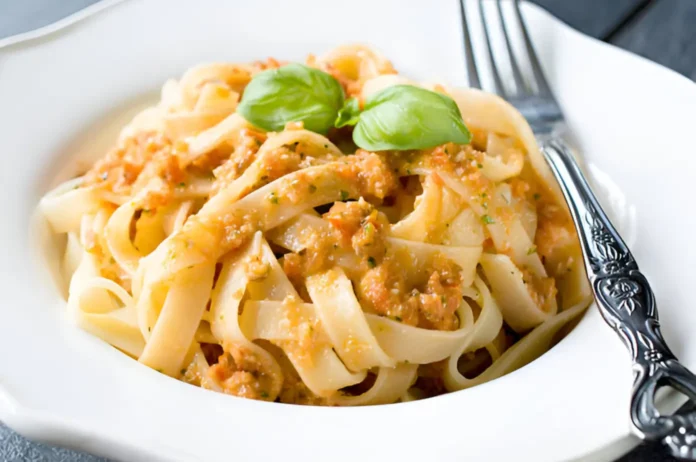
(292, 266)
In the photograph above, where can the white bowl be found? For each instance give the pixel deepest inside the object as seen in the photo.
(64, 95)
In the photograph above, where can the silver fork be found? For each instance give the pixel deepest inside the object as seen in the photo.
(622, 292)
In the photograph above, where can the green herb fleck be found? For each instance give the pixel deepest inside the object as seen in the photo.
(312, 188)
(182, 185)
(487, 219)
(398, 318)
(272, 198)
(344, 195)
(369, 231)
(531, 250)
(479, 165)
(371, 262)
(537, 196)
(264, 394)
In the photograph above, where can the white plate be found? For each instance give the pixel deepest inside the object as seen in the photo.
(64, 95)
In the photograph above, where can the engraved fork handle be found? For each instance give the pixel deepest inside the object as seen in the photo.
(627, 304)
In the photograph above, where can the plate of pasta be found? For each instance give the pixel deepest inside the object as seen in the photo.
(331, 252)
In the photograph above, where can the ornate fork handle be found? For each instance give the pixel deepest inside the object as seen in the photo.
(627, 304)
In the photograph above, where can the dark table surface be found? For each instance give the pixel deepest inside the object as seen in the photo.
(661, 30)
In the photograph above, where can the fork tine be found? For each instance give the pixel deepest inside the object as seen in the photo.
(542, 85)
(520, 84)
(471, 70)
(497, 83)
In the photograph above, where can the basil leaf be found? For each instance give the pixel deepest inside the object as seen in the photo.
(405, 117)
(292, 93)
(349, 113)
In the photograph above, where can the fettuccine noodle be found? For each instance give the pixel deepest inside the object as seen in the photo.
(293, 267)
